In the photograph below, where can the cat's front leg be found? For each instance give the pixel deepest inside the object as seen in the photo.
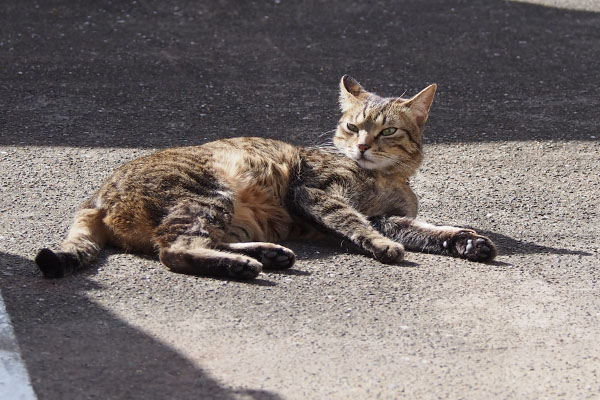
(333, 214)
(421, 236)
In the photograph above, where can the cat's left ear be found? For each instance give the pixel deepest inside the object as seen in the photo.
(420, 104)
(351, 93)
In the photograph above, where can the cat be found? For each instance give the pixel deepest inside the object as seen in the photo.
(217, 208)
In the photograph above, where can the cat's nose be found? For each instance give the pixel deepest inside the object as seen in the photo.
(363, 147)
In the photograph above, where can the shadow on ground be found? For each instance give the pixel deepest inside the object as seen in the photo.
(152, 74)
(509, 246)
(100, 355)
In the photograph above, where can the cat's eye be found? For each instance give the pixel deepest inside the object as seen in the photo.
(388, 131)
(352, 128)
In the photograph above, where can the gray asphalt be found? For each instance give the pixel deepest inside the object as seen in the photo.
(512, 150)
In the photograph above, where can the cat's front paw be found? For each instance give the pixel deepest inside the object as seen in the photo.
(468, 244)
(387, 251)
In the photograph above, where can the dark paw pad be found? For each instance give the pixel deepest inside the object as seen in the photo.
(278, 258)
(474, 247)
(248, 269)
(50, 264)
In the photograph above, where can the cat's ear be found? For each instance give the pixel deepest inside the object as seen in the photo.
(420, 104)
(351, 93)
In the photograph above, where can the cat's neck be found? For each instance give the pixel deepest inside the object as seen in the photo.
(397, 173)
(393, 175)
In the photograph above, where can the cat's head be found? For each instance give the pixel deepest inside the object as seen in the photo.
(382, 133)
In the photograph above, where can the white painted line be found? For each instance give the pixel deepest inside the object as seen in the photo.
(14, 380)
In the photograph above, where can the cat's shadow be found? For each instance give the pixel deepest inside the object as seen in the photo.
(511, 246)
(507, 246)
(328, 248)
(288, 271)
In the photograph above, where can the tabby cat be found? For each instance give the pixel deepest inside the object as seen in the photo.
(215, 209)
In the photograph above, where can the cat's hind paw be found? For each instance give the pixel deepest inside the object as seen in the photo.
(244, 269)
(474, 247)
(278, 257)
(271, 255)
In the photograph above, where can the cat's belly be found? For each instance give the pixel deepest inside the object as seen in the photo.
(258, 176)
(258, 216)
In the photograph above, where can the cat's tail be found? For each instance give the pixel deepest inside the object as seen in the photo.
(84, 241)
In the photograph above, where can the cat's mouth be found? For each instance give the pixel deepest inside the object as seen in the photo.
(365, 162)
(370, 161)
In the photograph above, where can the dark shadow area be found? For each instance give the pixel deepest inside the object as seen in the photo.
(255, 281)
(509, 246)
(327, 248)
(289, 271)
(153, 74)
(76, 349)
(506, 246)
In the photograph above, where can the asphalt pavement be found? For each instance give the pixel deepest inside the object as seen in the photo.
(512, 150)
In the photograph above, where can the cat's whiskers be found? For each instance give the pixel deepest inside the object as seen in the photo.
(325, 144)
(329, 146)
(328, 142)
(320, 135)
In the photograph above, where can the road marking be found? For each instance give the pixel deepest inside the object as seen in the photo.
(14, 379)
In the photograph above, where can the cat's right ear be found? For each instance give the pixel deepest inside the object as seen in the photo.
(351, 93)
(421, 103)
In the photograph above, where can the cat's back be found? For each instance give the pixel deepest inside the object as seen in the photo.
(234, 161)
(246, 166)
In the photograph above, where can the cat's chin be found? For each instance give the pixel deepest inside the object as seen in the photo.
(367, 164)
(368, 161)
(370, 164)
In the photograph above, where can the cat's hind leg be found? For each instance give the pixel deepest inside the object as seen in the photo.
(421, 236)
(272, 256)
(209, 262)
(188, 239)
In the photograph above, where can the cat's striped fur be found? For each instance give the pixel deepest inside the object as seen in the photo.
(216, 209)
